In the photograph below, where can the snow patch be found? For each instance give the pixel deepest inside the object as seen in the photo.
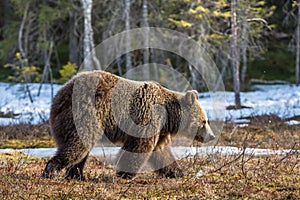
(179, 152)
(292, 122)
(280, 100)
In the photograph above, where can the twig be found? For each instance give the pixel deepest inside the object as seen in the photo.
(29, 93)
(291, 152)
(125, 191)
(233, 160)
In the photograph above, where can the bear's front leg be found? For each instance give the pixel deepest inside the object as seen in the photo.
(163, 161)
(67, 157)
(54, 165)
(76, 171)
(133, 156)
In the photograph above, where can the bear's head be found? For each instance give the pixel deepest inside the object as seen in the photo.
(194, 119)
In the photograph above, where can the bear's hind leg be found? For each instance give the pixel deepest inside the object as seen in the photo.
(76, 171)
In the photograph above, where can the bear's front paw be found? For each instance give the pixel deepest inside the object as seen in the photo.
(47, 175)
(171, 171)
(78, 178)
(74, 173)
(48, 171)
(174, 173)
(177, 174)
(125, 175)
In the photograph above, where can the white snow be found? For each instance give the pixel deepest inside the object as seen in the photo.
(15, 100)
(292, 122)
(179, 152)
(281, 100)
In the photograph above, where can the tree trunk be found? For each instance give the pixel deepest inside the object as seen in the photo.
(224, 64)
(20, 36)
(22, 51)
(297, 45)
(146, 40)
(244, 49)
(90, 60)
(235, 55)
(47, 67)
(195, 79)
(127, 38)
(73, 40)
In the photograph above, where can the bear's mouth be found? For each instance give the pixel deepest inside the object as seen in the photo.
(199, 138)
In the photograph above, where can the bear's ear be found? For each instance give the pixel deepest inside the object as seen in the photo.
(190, 97)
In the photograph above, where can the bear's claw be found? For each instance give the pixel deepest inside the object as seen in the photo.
(125, 175)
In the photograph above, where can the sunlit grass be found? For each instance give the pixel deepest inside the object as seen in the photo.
(268, 177)
(21, 144)
(222, 176)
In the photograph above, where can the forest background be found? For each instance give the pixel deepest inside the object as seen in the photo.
(251, 41)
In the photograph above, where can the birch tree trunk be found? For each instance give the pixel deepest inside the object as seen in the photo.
(24, 61)
(235, 55)
(146, 39)
(90, 60)
(244, 48)
(297, 45)
(127, 38)
(20, 36)
(47, 69)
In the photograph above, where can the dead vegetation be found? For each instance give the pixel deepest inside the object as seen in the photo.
(222, 177)
(262, 132)
(208, 177)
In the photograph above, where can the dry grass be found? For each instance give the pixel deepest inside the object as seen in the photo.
(262, 132)
(25, 132)
(223, 177)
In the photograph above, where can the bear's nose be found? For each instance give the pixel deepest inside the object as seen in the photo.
(209, 138)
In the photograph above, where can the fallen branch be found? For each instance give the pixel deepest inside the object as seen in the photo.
(266, 82)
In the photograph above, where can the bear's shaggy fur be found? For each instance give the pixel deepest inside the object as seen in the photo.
(143, 116)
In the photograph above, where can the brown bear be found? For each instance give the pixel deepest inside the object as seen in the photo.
(142, 116)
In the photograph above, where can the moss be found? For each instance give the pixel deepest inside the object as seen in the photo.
(21, 144)
(17, 156)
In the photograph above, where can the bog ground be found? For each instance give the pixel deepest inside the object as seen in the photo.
(223, 177)
(271, 122)
(216, 176)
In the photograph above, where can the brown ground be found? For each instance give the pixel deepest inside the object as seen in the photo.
(223, 177)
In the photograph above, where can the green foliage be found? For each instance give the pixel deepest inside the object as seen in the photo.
(294, 3)
(67, 71)
(180, 23)
(5, 72)
(205, 21)
(46, 22)
(276, 65)
(23, 72)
